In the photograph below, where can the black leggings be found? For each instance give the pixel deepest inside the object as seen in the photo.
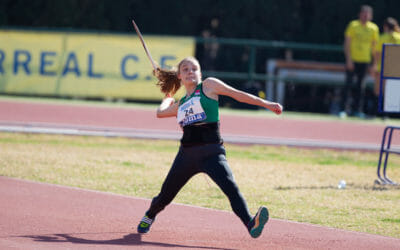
(357, 91)
(209, 159)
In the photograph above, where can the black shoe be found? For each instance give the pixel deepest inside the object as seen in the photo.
(256, 225)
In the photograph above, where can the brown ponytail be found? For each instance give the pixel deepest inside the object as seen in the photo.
(168, 80)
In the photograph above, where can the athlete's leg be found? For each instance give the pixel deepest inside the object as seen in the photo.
(181, 171)
(216, 166)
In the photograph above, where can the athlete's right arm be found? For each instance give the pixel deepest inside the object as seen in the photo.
(168, 108)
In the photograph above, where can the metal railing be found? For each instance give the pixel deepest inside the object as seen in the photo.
(253, 45)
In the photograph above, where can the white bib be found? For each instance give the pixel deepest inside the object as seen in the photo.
(190, 112)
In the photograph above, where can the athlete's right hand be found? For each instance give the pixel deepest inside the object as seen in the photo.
(168, 101)
(167, 108)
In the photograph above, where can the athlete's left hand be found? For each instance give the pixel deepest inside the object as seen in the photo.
(276, 108)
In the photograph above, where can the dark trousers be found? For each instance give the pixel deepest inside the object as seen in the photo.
(209, 159)
(355, 89)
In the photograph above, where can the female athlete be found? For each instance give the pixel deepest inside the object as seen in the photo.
(201, 149)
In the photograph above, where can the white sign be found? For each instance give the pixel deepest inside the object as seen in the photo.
(392, 96)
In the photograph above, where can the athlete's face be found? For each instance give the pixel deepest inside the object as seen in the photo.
(189, 72)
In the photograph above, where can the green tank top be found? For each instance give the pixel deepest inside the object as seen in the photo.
(197, 108)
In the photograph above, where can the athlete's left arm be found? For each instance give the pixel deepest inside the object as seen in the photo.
(218, 87)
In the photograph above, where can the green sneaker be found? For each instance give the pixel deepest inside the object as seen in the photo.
(256, 225)
(144, 225)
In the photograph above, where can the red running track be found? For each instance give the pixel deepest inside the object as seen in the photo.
(277, 129)
(42, 216)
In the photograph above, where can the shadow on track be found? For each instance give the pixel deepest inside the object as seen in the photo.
(131, 239)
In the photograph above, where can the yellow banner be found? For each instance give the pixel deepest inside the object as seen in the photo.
(85, 64)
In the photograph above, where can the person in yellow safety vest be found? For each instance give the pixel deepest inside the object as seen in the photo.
(361, 36)
(390, 35)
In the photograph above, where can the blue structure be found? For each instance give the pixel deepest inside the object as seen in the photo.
(390, 72)
(386, 150)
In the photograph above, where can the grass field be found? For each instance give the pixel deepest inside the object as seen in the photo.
(296, 184)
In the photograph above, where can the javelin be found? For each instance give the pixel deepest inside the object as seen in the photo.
(153, 63)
